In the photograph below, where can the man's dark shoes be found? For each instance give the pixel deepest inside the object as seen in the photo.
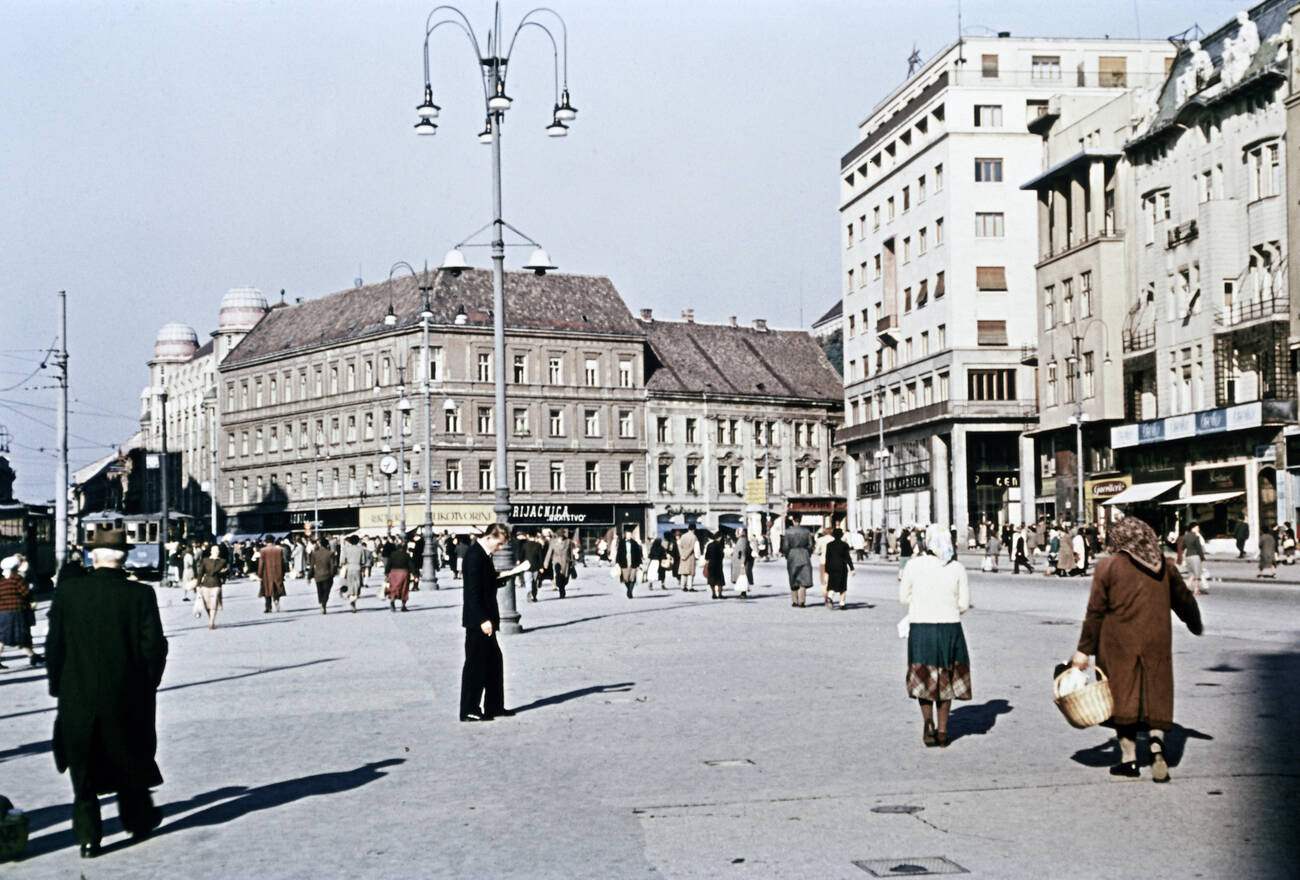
(1126, 770)
(475, 716)
(89, 850)
(36, 660)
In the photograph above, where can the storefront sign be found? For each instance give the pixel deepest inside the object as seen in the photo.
(1002, 480)
(330, 518)
(904, 483)
(1212, 421)
(756, 492)
(1106, 488)
(816, 506)
(444, 516)
(562, 514)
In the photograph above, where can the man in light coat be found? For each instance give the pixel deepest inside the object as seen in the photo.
(687, 546)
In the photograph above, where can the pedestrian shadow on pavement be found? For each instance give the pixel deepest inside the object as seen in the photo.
(616, 688)
(1107, 754)
(31, 748)
(976, 720)
(23, 680)
(190, 684)
(592, 617)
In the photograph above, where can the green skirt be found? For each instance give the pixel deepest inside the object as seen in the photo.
(938, 664)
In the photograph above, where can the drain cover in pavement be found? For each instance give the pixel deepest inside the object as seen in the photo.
(730, 762)
(910, 867)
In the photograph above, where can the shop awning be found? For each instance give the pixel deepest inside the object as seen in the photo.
(1207, 498)
(1139, 492)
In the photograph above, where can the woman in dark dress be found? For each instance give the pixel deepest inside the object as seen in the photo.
(397, 572)
(713, 553)
(658, 554)
(837, 562)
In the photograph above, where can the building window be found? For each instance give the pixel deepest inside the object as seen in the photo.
(243, 443)
(453, 475)
(352, 479)
(406, 423)
(992, 278)
(920, 189)
(519, 370)
(939, 288)
(230, 445)
(920, 241)
(484, 366)
(889, 209)
(692, 478)
(989, 224)
(1085, 295)
(938, 177)
(991, 332)
(875, 218)
(1089, 389)
(983, 384)
(989, 66)
(369, 429)
(624, 374)
(988, 115)
(352, 376)
(1067, 300)
(557, 476)
(690, 431)
(665, 478)
(625, 429)
(485, 420)
(521, 422)
(876, 268)
(485, 475)
(593, 476)
(1051, 384)
(988, 170)
(925, 342)
(625, 480)
(591, 423)
(907, 199)
(273, 441)
(554, 370)
(521, 476)
(352, 429)
(591, 372)
(1045, 67)
(662, 432)
(1049, 306)
(368, 375)
(451, 421)
(557, 423)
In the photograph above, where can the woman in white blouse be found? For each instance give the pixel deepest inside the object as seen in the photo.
(936, 593)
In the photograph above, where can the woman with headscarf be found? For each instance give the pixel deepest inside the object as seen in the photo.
(936, 593)
(397, 573)
(16, 610)
(1127, 627)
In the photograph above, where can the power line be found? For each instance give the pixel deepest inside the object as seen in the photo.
(96, 444)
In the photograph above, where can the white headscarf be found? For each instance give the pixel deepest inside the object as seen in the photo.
(10, 564)
(939, 542)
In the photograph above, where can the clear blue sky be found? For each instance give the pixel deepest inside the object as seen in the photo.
(157, 153)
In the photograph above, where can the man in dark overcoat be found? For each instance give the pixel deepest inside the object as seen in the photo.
(482, 677)
(323, 570)
(270, 571)
(105, 653)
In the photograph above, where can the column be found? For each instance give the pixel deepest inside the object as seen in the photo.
(958, 489)
(1097, 198)
(1028, 484)
(940, 502)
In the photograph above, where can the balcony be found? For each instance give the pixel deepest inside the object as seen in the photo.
(1181, 234)
(1139, 340)
(1003, 410)
(1248, 311)
(1029, 355)
(887, 330)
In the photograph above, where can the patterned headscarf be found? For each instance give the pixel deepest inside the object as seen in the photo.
(939, 542)
(1138, 540)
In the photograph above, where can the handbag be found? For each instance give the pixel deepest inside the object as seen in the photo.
(614, 572)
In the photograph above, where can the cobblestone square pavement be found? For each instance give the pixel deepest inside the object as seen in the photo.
(677, 737)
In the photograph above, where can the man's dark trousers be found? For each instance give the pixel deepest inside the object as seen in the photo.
(482, 677)
(135, 809)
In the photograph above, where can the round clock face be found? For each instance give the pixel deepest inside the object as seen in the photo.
(388, 465)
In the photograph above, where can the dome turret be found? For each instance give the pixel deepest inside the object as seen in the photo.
(241, 309)
(176, 343)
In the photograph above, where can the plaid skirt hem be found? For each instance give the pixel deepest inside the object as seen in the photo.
(939, 684)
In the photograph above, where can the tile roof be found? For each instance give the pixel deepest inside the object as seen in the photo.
(555, 302)
(721, 359)
(834, 313)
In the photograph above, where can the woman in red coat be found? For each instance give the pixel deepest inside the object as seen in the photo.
(1128, 628)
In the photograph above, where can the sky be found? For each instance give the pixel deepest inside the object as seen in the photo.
(155, 154)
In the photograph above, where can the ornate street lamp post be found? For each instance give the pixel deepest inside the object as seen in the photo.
(493, 66)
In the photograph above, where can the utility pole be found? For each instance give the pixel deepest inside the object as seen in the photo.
(1081, 516)
(61, 429)
(162, 472)
(210, 403)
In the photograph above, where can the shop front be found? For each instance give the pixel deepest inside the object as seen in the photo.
(588, 522)
(330, 519)
(817, 511)
(453, 517)
(1097, 492)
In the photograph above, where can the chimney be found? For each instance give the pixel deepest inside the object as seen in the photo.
(760, 324)
(732, 321)
(688, 315)
(1002, 35)
(648, 315)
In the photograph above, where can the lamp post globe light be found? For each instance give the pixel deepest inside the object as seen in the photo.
(493, 65)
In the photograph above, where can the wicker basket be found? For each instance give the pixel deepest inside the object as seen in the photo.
(1088, 706)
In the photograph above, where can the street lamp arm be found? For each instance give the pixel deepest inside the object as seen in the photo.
(555, 52)
(469, 34)
(564, 36)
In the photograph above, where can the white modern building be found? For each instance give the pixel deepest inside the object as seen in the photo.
(939, 252)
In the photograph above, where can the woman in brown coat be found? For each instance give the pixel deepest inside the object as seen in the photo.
(1127, 627)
